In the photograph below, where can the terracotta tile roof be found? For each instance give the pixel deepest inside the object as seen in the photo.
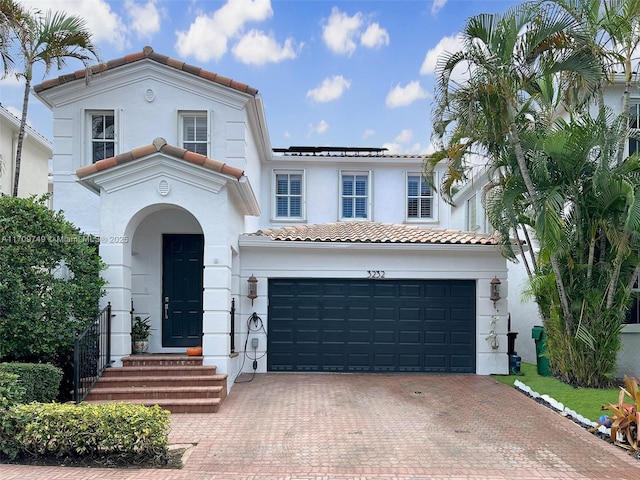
(161, 145)
(374, 232)
(149, 54)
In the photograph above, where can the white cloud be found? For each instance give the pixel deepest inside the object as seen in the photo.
(403, 96)
(145, 18)
(375, 36)
(404, 136)
(330, 89)
(392, 148)
(321, 127)
(12, 81)
(368, 133)
(437, 6)
(341, 30)
(106, 25)
(256, 48)
(447, 45)
(208, 35)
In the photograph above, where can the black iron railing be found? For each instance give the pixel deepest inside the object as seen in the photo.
(92, 354)
(232, 331)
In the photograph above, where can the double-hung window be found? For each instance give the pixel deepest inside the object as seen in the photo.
(420, 199)
(354, 195)
(289, 199)
(103, 135)
(194, 132)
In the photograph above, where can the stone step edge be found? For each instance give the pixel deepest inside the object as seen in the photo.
(138, 389)
(173, 378)
(170, 368)
(164, 401)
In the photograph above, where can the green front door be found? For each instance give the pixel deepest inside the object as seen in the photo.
(182, 261)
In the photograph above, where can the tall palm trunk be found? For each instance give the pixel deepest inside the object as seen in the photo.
(531, 190)
(23, 124)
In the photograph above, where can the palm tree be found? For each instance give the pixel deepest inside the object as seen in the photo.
(48, 39)
(10, 15)
(505, 58)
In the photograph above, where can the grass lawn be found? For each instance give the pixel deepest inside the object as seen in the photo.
(585, 401)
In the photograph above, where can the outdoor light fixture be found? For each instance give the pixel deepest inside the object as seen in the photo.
(253, 288)
(495, 290)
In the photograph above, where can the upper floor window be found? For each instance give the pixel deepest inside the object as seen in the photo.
(472, 214)
(634, 123)
(354, 195)
(420, 199)
(194, 132)
(633, 315)
(103, 135)
(289, 199)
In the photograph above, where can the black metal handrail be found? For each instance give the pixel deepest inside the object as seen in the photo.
(92, 354)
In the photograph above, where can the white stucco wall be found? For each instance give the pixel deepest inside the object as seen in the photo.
(388, 189)
(139, 121)
(320, 260)
(34, 166)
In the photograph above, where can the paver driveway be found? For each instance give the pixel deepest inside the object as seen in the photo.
(325, 426)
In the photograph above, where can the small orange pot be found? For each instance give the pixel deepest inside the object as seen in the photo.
(194, 351)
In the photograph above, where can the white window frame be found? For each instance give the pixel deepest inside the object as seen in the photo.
(433, 197)
(303, 201)
(368, 197)
(184, 114)
(89, 114)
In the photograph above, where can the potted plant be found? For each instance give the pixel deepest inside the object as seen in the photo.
(140, 332)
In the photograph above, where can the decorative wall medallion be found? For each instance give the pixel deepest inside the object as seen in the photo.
(149, 95)
(163, 187)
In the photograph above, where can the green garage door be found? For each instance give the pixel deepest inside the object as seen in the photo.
(371, 325)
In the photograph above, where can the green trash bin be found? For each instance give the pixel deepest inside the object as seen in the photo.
(537, 333)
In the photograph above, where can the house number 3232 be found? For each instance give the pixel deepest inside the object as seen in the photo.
(375, 273)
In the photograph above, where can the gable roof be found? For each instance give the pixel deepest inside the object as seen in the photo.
(161, 145)
(374, 232)
(148, 54)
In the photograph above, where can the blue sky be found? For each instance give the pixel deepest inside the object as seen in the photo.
(331, 73)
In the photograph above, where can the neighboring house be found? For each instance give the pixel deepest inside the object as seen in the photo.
(36, 153)
(468, 213)
(172, 168)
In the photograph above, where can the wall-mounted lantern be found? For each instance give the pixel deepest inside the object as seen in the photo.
(253, 288)
(495, 290)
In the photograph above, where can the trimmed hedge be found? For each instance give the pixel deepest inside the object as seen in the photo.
(11, 392)
(41, 381)
(123, 431)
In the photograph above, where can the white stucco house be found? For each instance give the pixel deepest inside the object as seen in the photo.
(171, 166)
(36, 153)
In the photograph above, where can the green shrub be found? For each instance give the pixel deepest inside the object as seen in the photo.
(126, 432)
(11, 393)
(41, 381)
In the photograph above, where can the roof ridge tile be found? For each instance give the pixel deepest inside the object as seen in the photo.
(147, 53)
(160, 145)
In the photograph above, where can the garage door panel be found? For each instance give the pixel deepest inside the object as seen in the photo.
(369, 325)
(385, 336)
(410, 337)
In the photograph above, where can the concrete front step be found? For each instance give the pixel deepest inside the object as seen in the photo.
(161, 381)
(160, 371)
(178, 383)
(178, 405)
(161, 360)
(144, 393)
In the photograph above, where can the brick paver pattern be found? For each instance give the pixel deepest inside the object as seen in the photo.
(360, 427)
